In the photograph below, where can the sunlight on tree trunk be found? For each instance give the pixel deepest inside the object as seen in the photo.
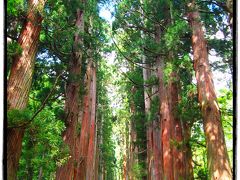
(20, 80)
(218, 161)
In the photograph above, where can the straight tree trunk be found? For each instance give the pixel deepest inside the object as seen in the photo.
(156, 133)
(147, 102)
(125, 176)
(83, 142)
(20, 79)
(177, 134)
(165, 117)
(90, 171)
(218, 160)
(66, 172)
(133, 155)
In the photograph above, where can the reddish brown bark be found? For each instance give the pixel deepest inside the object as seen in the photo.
(218, 161)
(166, 128)
(165, 117)
(83, 141)
(72, 107)
(20, 80)
(90, 171)
(156, 134)
(177, 134)
(125, 168)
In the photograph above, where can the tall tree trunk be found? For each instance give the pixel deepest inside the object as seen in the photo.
(218, 160)
(72, 103)
(177, 134)
(20, 79)
(147, 102)
(165, 117)
(133, 154)
(156, 132)
(83, 140)
(90, 171)
(125, 176)
(100, 141)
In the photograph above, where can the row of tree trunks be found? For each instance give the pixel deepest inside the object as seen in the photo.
(20, 80)
(165, 160)
(218, 160)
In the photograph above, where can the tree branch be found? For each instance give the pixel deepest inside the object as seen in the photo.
(128, 59)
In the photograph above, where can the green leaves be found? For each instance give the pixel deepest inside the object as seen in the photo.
(13, 49)
(173, 35)
(43, 145)
(226, 108)
(13, 6)
(18, 117)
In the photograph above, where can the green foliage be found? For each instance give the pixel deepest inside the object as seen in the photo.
(178, 145)
(152, 80)
(18, 117)
(43, 146)
(202, 174)
(188, 109)
(13, 6)
(105, 117)
(137, 171)
(226, 107)
(78, 129)
(168, 69)
(154, 109)
(13, 49)
(173, 35)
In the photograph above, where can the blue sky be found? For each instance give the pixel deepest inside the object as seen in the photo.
(105, 12)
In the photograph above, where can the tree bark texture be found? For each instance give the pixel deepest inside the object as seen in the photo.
(218, 160)
(147, 102)
(72, 107)
(156, 132)
(165, 117)
(20, 80)
(177, 128)
(90, 172)
(133, 147)
(83, 140)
